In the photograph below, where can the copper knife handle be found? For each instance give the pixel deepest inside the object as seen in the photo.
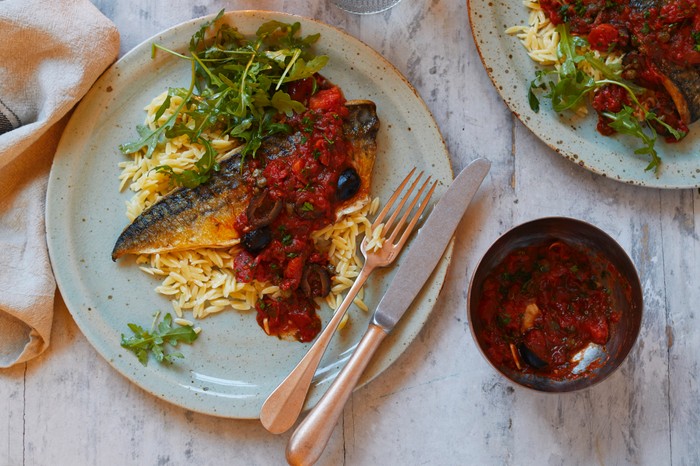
(311, 436)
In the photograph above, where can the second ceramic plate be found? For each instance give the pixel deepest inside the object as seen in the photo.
(511, 70)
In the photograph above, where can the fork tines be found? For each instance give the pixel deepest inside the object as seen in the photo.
(408, 211)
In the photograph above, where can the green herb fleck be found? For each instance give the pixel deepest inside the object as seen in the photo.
(564, 13)
(308, 124)
(503, 319)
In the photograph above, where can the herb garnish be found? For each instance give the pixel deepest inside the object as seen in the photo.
(235, 89)
(569, 85)
(154, 341)
(696, 38)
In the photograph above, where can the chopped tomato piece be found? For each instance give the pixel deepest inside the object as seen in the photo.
(327, 99)
(604, 37)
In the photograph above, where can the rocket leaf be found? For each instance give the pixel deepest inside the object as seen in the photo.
(156, 340)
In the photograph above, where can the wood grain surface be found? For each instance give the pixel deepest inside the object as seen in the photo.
(440, 403)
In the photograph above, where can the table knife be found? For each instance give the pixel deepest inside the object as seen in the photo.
(311, 436)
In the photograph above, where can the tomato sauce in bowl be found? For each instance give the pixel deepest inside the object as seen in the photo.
(555, 304)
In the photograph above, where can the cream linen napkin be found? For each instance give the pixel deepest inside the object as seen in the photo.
(52, 51)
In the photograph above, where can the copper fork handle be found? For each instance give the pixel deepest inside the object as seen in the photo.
(282, 408)
(311, 436)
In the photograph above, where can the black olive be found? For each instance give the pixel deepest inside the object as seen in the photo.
(315, 281)
(530, 358)
(348, 184)
(262, 210)
(256, 240)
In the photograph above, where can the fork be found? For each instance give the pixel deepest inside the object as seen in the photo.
(282, 408)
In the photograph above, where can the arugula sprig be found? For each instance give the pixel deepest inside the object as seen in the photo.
(155, 340)
(568, 86)
(235, 89)
(150, 138)
(627, 122)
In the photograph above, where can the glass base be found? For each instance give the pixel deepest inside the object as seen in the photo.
(364, 7)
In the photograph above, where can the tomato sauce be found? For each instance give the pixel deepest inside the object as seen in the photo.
(305, 182)
(650, 31)
(544, 303)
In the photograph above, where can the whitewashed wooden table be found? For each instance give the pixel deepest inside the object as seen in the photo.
(440, 403)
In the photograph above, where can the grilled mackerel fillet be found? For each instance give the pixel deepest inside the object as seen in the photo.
(204, 216)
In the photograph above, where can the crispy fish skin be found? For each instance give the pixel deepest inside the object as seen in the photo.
(644, 5)
(683, 84)
(361, 128)
(204, 216)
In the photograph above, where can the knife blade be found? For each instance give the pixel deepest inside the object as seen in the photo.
(429, 244)
(311, 436)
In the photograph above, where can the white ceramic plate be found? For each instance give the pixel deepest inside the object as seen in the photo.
(511, 70)
(233, 366)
